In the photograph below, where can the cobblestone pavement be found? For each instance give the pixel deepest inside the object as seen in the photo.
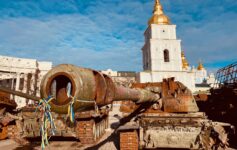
(108, 142)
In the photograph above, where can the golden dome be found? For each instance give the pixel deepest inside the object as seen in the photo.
(158, 15)
(200, 66)
(185, 64)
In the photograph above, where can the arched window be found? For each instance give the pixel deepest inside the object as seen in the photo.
(166, 56)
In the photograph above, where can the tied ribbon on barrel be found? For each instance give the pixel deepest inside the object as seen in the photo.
(71, 113)
(46, 119)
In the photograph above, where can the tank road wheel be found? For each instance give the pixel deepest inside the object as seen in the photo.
(3, 133)
(97, 130)
(103, 126)
(106, 122)
(86, 131)
(94, 132)
(128, 140)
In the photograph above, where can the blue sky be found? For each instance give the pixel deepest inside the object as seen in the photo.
(104, 34)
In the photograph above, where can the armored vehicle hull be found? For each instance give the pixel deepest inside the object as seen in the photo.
(172, 122)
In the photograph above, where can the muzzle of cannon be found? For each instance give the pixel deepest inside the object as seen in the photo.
(88, 87)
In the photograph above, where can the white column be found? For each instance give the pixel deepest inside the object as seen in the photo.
(32, 87)
(17, 98)
(25, 83)
(17, 81)
(21, 102)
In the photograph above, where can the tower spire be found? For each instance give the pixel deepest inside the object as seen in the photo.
(158, 15)
(158, 8)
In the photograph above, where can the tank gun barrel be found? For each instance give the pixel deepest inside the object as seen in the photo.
(86, 87)
(135, 95)
(17, 93)
(89, 87)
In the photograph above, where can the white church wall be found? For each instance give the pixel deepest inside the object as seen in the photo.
(200, 76)
(163, 31)
(157, 55)
(211, 79)
(162, 53)
(187, 78)
(13, 64)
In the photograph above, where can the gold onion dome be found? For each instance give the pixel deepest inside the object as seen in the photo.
(158, 15)
(185, 64)
(200, 66)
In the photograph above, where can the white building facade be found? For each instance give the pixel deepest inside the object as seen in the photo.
(162, 55)
(22, 75)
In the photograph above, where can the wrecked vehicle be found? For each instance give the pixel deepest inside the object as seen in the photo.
(174, 121)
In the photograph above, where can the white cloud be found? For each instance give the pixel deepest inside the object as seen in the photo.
(109, 34)
(67, 39)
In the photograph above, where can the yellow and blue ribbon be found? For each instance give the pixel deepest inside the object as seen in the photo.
(46, 118)
(71, 112)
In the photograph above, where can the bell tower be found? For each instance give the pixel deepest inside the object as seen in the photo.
(162, 49)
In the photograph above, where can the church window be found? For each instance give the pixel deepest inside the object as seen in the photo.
(166, 56)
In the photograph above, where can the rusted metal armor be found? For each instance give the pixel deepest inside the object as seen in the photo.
(92, 92)
(171, 122)
(165, 113)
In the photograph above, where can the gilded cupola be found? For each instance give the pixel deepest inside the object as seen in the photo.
(185, 63)
(158, 15)
(200, 66)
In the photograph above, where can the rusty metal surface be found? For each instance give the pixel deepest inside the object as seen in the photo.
(201, 97)
(221, 104)
(175, 97)
(6, 105)
(83, 87)
(89, 87)
(6, 101)
(9, 91)
(29, 126)
(109, 96)
(136, 95)
(101, 88)
(173, 121)
(167, 109)
(172, 137)
(3, 133)
(178, 130)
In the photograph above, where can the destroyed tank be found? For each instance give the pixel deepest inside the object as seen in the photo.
(163, 114)
(7, 107)
(92, 92)
(171, 122)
